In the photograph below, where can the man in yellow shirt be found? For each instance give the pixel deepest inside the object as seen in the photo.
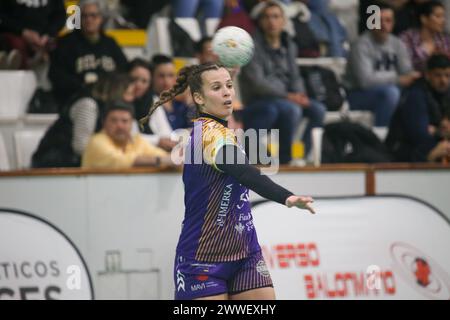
(115, 147)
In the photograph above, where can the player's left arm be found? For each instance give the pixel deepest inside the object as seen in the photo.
(232, 160)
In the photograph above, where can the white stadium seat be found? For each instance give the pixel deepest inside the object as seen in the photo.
(211, 26)
(4, 162)
(26, 143)
(159, 37)
(15, 93)
(316, 137)
(381, 132)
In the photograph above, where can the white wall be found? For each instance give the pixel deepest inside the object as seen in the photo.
(131, 212)
(431, 186)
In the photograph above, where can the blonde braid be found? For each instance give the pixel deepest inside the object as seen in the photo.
(188, 76)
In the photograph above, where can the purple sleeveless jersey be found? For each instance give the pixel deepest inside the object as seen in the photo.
(218, 224)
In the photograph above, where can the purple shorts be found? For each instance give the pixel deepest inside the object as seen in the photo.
(196, 279)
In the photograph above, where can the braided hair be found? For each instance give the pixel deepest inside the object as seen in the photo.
(188, 76)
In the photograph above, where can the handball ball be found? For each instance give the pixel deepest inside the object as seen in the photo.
(233, 45)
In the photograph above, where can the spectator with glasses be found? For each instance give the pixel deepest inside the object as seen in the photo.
(83, 55)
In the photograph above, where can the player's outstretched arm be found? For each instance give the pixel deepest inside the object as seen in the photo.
(237, 166)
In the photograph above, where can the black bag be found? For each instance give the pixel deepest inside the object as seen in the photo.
(347, 142)
(55, 149)
(307, 44)
(43, 102)
(322, 85)
(181, 41)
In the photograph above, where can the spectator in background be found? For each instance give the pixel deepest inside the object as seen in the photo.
(406, 13)
(271, 87)
(204, 52)
(419, 130)
(189, 9)
(430, 37)
(327, 29)
(248, 5)
(175, 114)
(30, 27)
(64, 142)
(140, 12)
(447, 14)
(378, 65)
(115, 147)
(83, 55)
(235, 15)
(140, 72)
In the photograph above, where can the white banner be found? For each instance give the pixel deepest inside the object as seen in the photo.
(356, 248)
(38, 262)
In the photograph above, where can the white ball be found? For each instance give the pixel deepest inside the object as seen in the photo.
(233, 45)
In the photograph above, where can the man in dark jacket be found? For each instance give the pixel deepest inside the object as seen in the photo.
(83, 55)
(418, 129)
(30, 27)
(271, 86)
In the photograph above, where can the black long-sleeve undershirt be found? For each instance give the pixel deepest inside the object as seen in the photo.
(232, 161)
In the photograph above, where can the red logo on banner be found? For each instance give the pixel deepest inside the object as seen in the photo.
(292, 255)
(347, 284)
(420, 271)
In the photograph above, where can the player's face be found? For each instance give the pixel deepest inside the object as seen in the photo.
(141, 80)
(217, 93)
(91, 19)
(164, 77)
(118, 125)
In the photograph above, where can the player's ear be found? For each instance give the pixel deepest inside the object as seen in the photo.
(198, 98)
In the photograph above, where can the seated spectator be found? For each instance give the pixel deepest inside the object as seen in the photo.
(141, 74)
(430, 37)
(190, 9)
(298, 19)
(327, 29)
(271, 87)
(447, 14)
(308, 44)
(64, 142)
(140, 12)
(175, 114)
(204, 52)
(248, 5)
(30, 27)
(115, 147)
(378, 64)
(406, 13)
(235, 15)
(83, 55)
(419, 128)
